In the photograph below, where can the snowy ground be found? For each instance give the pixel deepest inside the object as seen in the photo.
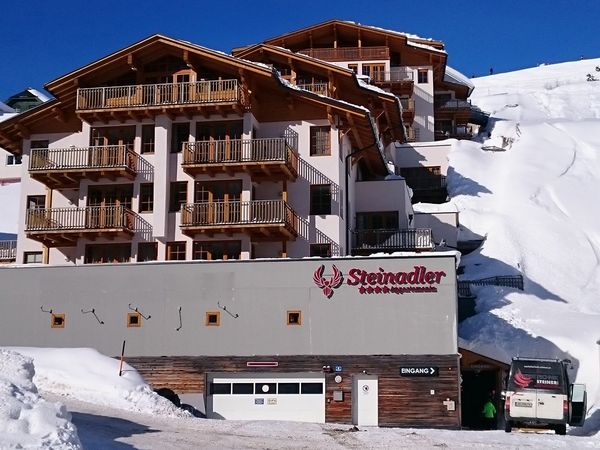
(536, 205)
(122, 412)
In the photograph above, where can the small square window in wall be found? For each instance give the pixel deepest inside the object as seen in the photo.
(423, 76)
(58, 321)
(134, 320)
(213, 319)
(176, 251)
(294, 318)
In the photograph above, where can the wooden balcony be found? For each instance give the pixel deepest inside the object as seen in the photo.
(348, 53)
(269, 157)
(61, 227)
(8, 251)
(399, 81)
(365, 242)
(408, 110)
(317, 88)
(66, 167)
(267, 220)
(457, 110)
(213, 96)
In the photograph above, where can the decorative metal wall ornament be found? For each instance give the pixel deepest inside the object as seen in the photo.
(93, 311)
(180, 323)
(139, 312)
(224, 308)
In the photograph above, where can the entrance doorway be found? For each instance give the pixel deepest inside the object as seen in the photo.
(477, 386)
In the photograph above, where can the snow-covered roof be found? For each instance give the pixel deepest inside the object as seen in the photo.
(43, 97)
(454, 76)
(4, 109)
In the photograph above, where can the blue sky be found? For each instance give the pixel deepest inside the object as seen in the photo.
(44, 39)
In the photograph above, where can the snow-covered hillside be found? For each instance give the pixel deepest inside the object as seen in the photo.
(535, 203)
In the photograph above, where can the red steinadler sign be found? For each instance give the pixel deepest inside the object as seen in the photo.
(381, 282)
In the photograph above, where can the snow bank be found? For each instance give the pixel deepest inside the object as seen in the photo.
(26, 420)
(536, 204)
(87, 375)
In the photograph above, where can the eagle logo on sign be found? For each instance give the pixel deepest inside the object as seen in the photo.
(328, 284)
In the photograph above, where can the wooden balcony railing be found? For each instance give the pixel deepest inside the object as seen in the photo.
(317, 88)
(8, 250)
(82, 158)
(61, 168)
(348, 53)
(413, 239)
(452, 104)
(270, 154)
(90, 218)
(247, 215)
(393, 76)
(149, 95)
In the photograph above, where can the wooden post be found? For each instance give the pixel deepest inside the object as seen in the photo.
(122, 359)
(284, 193)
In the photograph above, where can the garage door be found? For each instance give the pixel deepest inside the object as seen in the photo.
(266, 396)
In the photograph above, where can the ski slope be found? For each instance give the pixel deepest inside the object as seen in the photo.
(535, 204)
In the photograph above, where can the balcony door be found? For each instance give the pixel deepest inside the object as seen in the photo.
(105, 205)
(220, 140)
(374, 71)
(173, 87)
(375, 228)
(220, 201)
(109, 144)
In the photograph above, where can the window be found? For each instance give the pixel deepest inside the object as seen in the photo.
(180, 133)
(320, 141)
(288, 388)
(57, 320)
(147, 139)
(423, 76)
(321, 250)
(176, 251)
(243, 388)
(146, 197)
(177, 195)
(353, 67)
(120, 135)
(32, 257)
(210, 250)
(36, 201)
(134, 320)
(374, 71)
(40, 144)
(13, 160)
(213, 319)
(320, 199)
(385, 220)
(107, 253)
(265, 388)
(312, 388)
(147, 251)
(220, 388)
(294, 318)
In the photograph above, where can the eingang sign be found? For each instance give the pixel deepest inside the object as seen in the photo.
(381, 282)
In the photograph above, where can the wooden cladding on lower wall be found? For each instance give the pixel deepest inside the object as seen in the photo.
(403, 400)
